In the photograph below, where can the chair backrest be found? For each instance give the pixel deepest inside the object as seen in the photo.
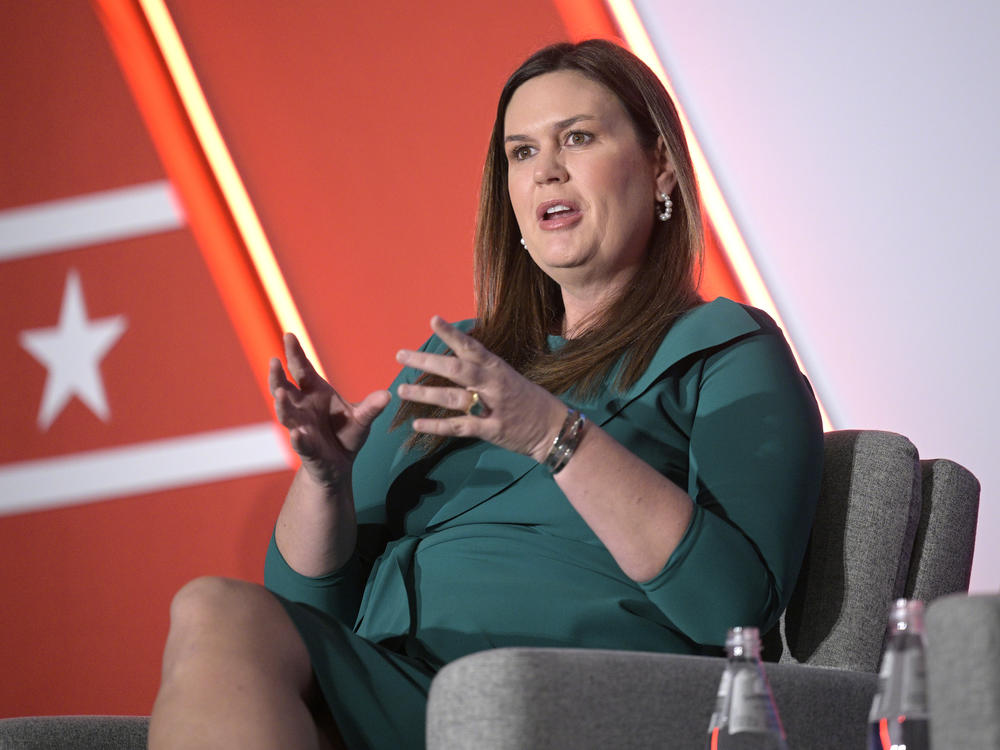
(887, 525)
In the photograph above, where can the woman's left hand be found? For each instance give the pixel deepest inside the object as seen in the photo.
(516, 414)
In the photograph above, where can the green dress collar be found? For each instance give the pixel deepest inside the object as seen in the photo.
(704, 327)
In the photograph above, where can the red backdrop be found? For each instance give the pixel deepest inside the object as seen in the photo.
(360, 136)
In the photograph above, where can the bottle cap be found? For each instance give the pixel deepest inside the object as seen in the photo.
(743, 640)
(906, 615)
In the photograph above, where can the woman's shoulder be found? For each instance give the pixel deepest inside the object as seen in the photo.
(723, 315)
(713, 324)
(702, 331)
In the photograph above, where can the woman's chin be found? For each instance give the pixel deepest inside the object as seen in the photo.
(555, 254)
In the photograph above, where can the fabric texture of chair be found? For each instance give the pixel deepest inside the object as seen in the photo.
(887, 525)
(942, 556)
(963, 650)
(74, 733)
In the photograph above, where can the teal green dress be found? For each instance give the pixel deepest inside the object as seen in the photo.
(475, 547)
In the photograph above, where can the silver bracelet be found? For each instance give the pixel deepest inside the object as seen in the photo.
(566, 442)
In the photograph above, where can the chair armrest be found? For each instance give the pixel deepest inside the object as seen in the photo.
(574, 698)
(74, 733)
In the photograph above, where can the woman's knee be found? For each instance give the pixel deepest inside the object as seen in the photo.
(232, 641)
(210, 598)
(223, 613)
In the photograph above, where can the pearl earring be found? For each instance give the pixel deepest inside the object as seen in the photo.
(668, 208)
(524, 244)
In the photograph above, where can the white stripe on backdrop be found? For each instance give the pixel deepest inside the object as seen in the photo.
(90, 219)
(142, 467)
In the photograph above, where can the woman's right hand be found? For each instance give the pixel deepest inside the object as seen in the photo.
(325, 430)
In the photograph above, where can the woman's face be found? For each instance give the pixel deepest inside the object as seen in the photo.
(582, 186)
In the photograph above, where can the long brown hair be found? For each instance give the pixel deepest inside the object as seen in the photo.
(517, 305)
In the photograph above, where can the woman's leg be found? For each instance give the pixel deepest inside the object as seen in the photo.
(236, 674)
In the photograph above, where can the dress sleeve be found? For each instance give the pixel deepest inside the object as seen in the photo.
(339, 592)
(755, 460)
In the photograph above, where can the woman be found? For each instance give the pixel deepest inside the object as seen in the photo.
(599, 460)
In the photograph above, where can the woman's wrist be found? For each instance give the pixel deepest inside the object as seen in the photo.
(553, 420)
(564, 430)
(566, 441)
(331, 485)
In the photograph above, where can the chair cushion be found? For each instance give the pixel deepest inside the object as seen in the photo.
(859, 551)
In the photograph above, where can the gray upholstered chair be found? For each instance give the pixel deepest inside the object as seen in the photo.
(888, 525)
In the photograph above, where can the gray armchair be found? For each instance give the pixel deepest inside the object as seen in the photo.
(888, 525)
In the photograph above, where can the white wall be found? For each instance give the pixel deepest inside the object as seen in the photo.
(857, 145)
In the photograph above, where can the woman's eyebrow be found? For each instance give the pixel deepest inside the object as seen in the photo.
(557, 126)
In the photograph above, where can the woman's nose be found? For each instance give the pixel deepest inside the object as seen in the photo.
(549, 167)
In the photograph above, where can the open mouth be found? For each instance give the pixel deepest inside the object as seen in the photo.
(557, 213)
(560, 209)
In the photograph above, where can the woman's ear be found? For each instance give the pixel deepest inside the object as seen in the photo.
(666, 180)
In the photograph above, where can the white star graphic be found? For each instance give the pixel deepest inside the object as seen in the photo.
(72, 352)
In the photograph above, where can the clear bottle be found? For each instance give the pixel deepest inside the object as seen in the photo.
(899, 718)
(745, 716)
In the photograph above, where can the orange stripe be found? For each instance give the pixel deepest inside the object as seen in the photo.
(228, 178)
(197, 162)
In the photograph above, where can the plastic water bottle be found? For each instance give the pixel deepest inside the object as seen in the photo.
(899, 717)
(745, 716)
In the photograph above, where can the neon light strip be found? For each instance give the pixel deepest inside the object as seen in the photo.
(222, 166)
(90, 219)
(722, 220)
(143, 467)
(209, 217)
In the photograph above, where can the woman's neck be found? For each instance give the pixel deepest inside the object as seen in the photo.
(582, 309)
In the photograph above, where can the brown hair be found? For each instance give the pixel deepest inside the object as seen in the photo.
(517, 305)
